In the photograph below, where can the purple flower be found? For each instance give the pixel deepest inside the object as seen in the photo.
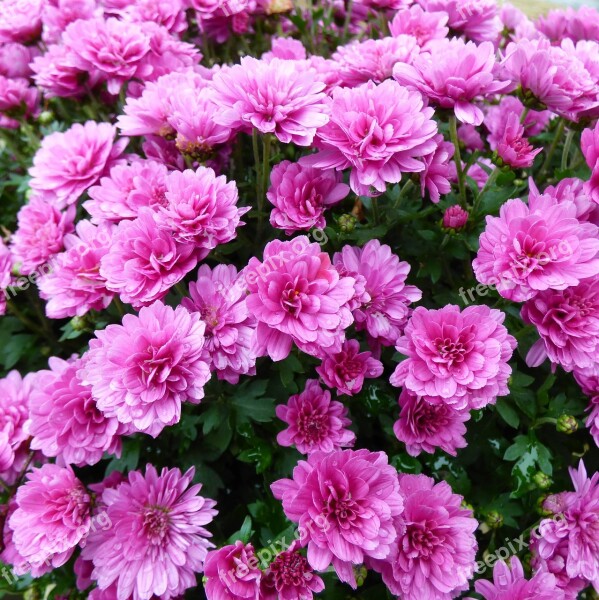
(438, 170)
(590, 149)
(513, 148)
(423, 25)
(455, 217)
(20, 20)
(17, 98)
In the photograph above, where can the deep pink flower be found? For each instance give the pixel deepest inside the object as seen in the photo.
(315, 422)
(346, 503)
(592, 421)
(423, 25)
(455, 217)
(20, 20)
(52, 515)
(6, 265)
(297, 296)
(218, 296)
(15, 59)
(424, 427)
(588, 379)
(379, 131)
(17, 99)
(470, 137)
(456, 357)
(574, 190)
(57, 14)
(64, 420)
(434, 554)
(452, 74)
(170, 15)
(437, 170)
(55, 73)
(300, 195)
(144, 261)
(286, 49)
(40, 233)
(513, 148)
(590, 149)
(581, 24)
(528, 249)
(273, 97)
(74, 285)
(383, 309)
(157, 541)
(141, 371)
(69, 162)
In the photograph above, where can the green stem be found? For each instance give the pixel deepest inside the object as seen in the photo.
(348, 15)
(566, 151)
(266, 140)
(490, 181)
(375, 211)
(544, 421)
(556, 140)
(32, 326)
(404, 190)
(119, 306)
(181, 289)
(453, 132)
(524, 115)
(256, 161)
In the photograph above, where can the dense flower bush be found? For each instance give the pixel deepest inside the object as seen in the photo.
(298, 298)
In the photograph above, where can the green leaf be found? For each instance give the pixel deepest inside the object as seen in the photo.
(507, 413)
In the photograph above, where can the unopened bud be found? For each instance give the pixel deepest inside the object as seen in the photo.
(455, 218)
(347, 223)
(567, 424)
(494, 519)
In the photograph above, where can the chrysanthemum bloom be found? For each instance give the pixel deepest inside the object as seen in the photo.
(218, 296)
(423, 25)
(588, 379)
(384, 307)
(40, 233)
(574, 190)
(568, 323)
(231, 573)
(58, 14)
(52, 515)
(346, 503)
(509, 583)
(145, 261)
(438, 168)
(285, 48)
(56, 75)
(273, 97)
(127, 189)
(17, 99)
(346, 370)
(424, 427)
(452, 74)
(456, 357)
(64, 420)
(590, 149)
(20, 20)
(315, 422)
(455, 217)
(69, 162)
(592, 421)
(434, 554)
(15, 59)
(513, 148)
(200, 209)
(6, 265)
(290, 577)
(297, 296)
(528, 249)
(581, 24)
(170, 15)
(157, 540)
(141, 371)
(470, 137)
(373, 60)
(74, 285)
(379, 131)
(300, 195)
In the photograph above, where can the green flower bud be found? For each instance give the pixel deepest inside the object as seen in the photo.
(567, 424)
(494, 519)
(541, 480)
(46, 117)
(347, 223)
(360, 572)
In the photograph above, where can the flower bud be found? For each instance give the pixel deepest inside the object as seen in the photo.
(541, 480)
(494, 519)
(567, 424)
(347, 223)
(455, 218)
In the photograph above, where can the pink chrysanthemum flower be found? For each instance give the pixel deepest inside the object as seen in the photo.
(588, 379)
(58, 14)
(513, 148)
(144, 261)
(346, 370)
(456, 357)
(528, 249)
(273, 97)
(470, 137)
(40, 233)
(574, 190)
(581, 24)
(20, 20)
(509, 583)
(127, 189)
(438, 169)
(64, 420)
(218, 296)
(297, 296)
(455, 217)
(590, 149)
(231, 573)
(423, 25)
(69, 162)
(568, 323)
(379, 131)
(434, 554)
(157, 541)
(315, 422)
(348, 518)
(74, 285)
(300, 195)
(56, 75)
(424, 427)
(453, 74)
(15, 60)
(17, 99)
(286, 49)
(141, 371)
(6, 265)
(383, 309)
(170, 15)
(52, 515)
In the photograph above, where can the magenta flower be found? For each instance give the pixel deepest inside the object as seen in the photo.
(170, 15)
(455, 217)
(6, 265)
(141, 371)
(15, 59)
(58, 14)
(69, 162)
(424, 427)
(453, 74)
(590, 149)
(379, 131)
(438, 170)
(157, 540)
(297, 296)
(592, 421)
(64, 420)
(588, 379)
(75, 286)
(423, 25)
(20, 20)
(17, 99)
(300, 195)
(528, 249)
(470, 137)
(52, 515)
(56, 75)
(286, 49)
(581, 24)
(509, 583)
(383, 309)
(434, 554)
(513, 148)
(574, 190)
(315, 422)
(144, 261)
(456, 357)
(218, 296)
(348, 518)
(273, 97)
(40, 233)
